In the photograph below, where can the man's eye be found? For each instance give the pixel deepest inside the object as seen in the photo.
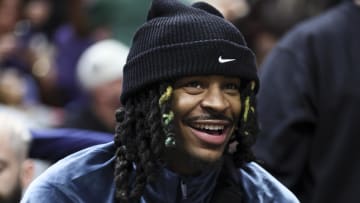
(193, 87)
(193, 84)
(232, 88)
(2, 166)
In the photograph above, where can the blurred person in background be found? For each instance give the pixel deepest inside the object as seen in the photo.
(269, 20)
(87, 24)
(16, 171)
(23, 34)
(25, 153)
(99, 72)
(12, 88)
(11, 56)
(34, 36)
(231, 9)
(9, 15)
(70, 40)
(308, 107)
(24, 55)
(20, 93)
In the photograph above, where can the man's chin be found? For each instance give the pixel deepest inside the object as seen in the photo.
(201, 163)
(14, 197)
(207, 156)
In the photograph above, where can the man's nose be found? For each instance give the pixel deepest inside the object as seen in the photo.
(215, 100)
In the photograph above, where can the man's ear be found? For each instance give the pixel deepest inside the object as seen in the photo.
(27, 173)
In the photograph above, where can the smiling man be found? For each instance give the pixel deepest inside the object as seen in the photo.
(188, 121)
(207, 110)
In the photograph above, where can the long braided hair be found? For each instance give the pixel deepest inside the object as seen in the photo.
(140, 138)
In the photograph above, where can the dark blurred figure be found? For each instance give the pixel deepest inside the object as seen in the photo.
(9, 15)
(268, 20)
(34, 37)
(11, 55)
(25, 58)
(71, 39)
(99, 72)
(309, 108)
(44, 15)
(82, 29)
(25, 43)
(17, 86)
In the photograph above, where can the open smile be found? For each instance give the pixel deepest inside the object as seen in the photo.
(211, 131)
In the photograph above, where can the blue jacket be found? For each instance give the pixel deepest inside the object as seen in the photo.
(87, 176)
(55, 144)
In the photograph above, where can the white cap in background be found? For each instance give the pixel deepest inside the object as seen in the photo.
(101, 63)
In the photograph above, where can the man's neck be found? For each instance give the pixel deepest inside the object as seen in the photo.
(186, 165)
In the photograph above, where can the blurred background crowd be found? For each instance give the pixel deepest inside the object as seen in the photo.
(60, 61)
(41, 42)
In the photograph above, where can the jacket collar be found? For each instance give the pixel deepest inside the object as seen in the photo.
(170, 187)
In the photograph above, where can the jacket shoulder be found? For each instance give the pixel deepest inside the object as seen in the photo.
(260, 186)
(74, 178)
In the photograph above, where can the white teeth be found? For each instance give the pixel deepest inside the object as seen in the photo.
(209, 127)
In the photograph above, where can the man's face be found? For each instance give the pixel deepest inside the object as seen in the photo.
(207, 109)
(105, 102)
(10, 187)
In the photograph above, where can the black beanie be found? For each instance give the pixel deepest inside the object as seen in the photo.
(179, 40)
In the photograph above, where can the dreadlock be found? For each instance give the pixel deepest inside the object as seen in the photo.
(248, 127)
(139, 140)
(141, 133)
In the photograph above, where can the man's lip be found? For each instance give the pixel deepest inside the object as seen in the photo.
(208, 118)
(219, 120)
(208, 138)
(192, 124)
(211, 122)
(203, 136)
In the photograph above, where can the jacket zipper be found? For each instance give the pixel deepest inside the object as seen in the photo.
(183, 190)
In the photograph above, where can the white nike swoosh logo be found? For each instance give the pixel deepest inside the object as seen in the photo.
(221, 60)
